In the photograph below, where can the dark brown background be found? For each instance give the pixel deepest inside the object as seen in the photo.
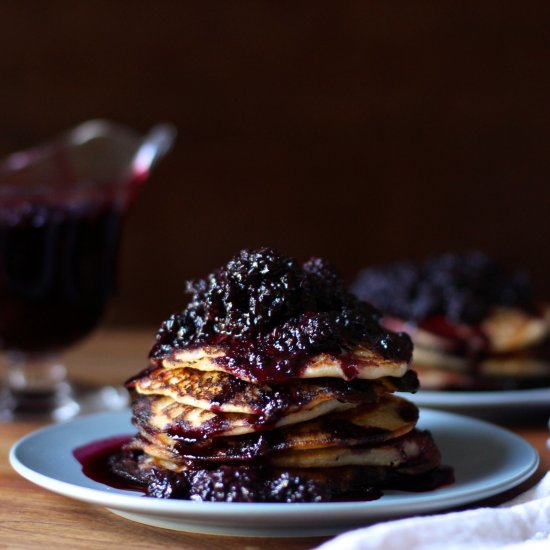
(361, 131)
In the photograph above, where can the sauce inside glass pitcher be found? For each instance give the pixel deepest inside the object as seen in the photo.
(57, 270)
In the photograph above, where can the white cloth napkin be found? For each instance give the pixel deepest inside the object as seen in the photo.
(520, 524)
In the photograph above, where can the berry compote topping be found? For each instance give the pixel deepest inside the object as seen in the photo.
(270, 315)
(461, 287)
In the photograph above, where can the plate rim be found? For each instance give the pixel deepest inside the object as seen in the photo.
(530, 397)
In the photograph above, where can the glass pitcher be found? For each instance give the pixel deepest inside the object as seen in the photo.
(62, 206)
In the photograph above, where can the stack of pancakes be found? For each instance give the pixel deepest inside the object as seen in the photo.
(209, 433)
(475, 324)
(275, 384)
(508, 349)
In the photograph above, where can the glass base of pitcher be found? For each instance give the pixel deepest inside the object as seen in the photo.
(65, 403)
(37, 390)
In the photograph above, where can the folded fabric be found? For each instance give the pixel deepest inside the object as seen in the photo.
(520, 524)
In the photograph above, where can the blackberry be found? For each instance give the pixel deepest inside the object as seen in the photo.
(270, 314)
(461, 287)
(226, 484)
(288, 487)
(166, 484)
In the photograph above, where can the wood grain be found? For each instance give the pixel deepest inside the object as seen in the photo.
(31, 517)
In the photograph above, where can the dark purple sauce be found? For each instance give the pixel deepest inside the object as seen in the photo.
(430, 481)
(57, 271)
(94, 458)
(442, 476)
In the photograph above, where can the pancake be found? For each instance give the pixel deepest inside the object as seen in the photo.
(414, 453)
(364, 424)
(362, 363)
(528, 363)
(405, 450)
(222, 392)
(392, 453)
(509, 329)
(510, 373)
(166, 415)
(525, 368)
(265, 483)
(424, 357)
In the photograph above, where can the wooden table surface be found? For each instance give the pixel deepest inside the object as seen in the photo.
(31, 517)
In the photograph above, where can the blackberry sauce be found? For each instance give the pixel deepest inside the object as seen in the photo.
(57, 266)
(270, 314)
(104, 461)
(94, 459)
(461, 288)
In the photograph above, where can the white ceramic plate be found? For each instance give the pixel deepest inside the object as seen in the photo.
(487, 460)
(487, 404)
